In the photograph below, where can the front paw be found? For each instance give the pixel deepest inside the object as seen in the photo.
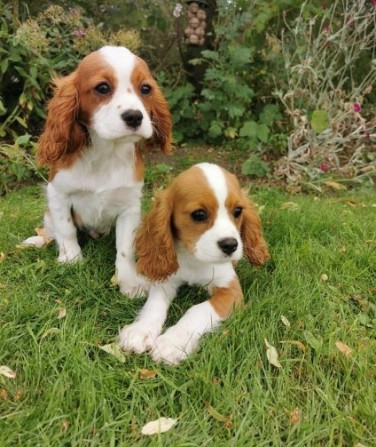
(175, 345)
(133, 286)
(138, 337)
(70, 257)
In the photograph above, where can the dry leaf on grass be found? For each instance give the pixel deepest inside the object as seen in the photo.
(218, 416)
(114, 350)
(289, 205)
(295, 416)
(7, 372)
(285, 321)
(297, 343)
(346, 350)
(147, 373)
(2, 257)
(334, 185)
(160, 425)
(272, 354)
(62, 313)
(324, 277)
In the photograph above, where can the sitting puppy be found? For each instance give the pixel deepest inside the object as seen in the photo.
(96, 120)
(197, 229)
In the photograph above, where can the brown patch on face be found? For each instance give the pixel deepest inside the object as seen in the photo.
(139, 165)
(70, 112)
(191, 192)
(224, 299)
(156, 106)
(248, 223)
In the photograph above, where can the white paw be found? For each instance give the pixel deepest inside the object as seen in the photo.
(70, 257)
(135, 288)
(36, 241)
(138, 337)
(175, 345)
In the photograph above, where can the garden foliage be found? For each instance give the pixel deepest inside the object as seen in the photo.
(289, 84)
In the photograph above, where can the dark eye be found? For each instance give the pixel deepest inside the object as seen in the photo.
(103, 89)
(145, 89)
(199, 215)
(237, 211)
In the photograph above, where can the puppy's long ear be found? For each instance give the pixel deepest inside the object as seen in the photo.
(154, 241)
(162, 123)
(255, 247)
(62, 133)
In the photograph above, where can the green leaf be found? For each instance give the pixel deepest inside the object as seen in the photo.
(319, 120)
(22, 140)
(314, 342)
(270, 114)
(249, 129)
(255, 167)
(215, 129)
(263, 132)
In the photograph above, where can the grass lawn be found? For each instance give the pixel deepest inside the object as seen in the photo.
(322, 279)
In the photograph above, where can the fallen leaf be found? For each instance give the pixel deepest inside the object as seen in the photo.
(113, 280)
(346, 350)
(289, 205)
(3, 394)
(115, 350)
(285, 321)
(314, 342)
(65, 425)
(7, 372)
(160, 425)
(272, 354)
(62, 313)
(18, 395)
(147, 373)
(297, 343)
(334, 185)
(218, 416)
(295, 416)
(2, 257)
(324, 277)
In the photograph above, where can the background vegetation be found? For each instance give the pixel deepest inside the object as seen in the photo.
(286, 85)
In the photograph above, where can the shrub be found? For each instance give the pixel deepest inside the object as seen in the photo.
(35, 50)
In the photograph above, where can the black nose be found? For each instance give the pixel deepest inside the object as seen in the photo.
(228, 245)
(132, 118)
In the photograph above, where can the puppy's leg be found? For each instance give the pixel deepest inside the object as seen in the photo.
(179, 341)
(130, 283)
(59, 225)
(140, 336)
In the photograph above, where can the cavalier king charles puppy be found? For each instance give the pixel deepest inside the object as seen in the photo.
(98, 119)
(196, 231)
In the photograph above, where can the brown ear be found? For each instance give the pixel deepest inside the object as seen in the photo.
(154, 241)
(255, 247)
(162, 124)
(62, 133)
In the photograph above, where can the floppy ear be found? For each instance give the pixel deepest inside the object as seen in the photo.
(62, 133)
(255, 247)
(162, 124)
(154, 241)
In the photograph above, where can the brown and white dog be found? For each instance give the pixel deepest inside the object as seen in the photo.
(197, 229)
(96, 119)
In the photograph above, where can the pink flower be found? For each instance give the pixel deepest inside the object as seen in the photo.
(367, 136)
(373, 3)
(80, 33)
(326, 28)
(357, 107)
(323, 167)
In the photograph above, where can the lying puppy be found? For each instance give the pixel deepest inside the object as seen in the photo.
(197, 229)
(96, 120)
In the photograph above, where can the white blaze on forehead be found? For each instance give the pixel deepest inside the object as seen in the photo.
(121, 59)
(217, 181)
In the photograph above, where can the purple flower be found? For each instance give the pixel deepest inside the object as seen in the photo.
(357, 107)
(80, 33)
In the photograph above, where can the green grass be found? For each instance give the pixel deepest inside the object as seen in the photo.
(69, 392)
